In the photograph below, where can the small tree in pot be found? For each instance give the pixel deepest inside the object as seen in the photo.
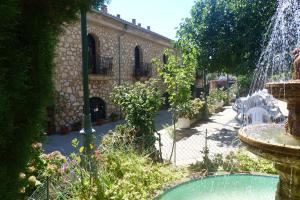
(178, 74)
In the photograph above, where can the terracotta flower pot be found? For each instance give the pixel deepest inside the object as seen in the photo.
(64, 130)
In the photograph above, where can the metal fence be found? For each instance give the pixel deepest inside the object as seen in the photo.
(103, 66)
(52, 188)
(190, 144)
(42, 191)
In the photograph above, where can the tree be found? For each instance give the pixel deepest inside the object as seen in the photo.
(28, 34)
(178, 74)
(140, 102)
(227, 33)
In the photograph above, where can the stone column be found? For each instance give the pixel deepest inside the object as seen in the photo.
(289, 182)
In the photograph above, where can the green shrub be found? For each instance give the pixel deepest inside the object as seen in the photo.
(140, 102)
(120, 138)
(234, 162)
(121, 174)
(135, 177)
(38, 168)
(233, 90)
(191, 108)
(244, 82)
(207, 164)
(215, 97)
(28, 37)
(241, 162)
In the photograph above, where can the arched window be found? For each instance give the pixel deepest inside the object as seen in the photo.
(165, 59)
(92, 54)
(97, 109)
(137, 57)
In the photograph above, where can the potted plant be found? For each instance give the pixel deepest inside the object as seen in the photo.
(65, 129)
(188, 112)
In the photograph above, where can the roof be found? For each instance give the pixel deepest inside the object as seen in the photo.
(124, 22)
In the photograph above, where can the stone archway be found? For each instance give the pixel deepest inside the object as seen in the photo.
(97, 109)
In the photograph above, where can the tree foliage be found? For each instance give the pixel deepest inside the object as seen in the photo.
(228, 34)
(28, 35)
(178, 74)
(140, 102)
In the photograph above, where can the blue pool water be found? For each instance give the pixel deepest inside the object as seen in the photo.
(225, 187)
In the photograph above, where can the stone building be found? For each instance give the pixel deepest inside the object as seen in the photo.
(119, 52)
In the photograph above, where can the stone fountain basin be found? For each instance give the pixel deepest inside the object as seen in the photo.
(285, 91)
(271, 142)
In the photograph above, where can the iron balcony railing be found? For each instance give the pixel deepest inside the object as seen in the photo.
(143, 69)
(103, 66)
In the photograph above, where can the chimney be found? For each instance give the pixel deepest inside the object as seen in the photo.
(104, 8)
(134, 21)
(139, 24)
(148, 27)
(118, 16)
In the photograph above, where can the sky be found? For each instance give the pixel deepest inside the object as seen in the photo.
(162, 15)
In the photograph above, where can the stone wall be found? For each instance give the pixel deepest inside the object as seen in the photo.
(108, 32)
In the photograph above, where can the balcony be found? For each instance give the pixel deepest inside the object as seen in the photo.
(103, 66)
(143, 70)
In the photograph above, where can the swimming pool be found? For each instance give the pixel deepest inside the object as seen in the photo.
(225, 187)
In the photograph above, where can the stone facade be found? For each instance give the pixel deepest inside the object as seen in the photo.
(115, 39)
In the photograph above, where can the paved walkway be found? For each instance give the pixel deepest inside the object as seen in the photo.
(221, 138)
(62, 143)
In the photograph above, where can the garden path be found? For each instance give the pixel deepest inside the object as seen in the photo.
(62, 143)
(221, 138)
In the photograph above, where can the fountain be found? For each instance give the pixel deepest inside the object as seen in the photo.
(280, 143)
(276, 142)
(283, 37)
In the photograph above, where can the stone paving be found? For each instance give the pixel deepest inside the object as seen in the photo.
(221, 138)
(62, 143)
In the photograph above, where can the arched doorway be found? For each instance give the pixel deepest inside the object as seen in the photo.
(98, 109)
(92, 54)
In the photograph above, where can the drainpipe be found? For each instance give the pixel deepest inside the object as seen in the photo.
(119, 52)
